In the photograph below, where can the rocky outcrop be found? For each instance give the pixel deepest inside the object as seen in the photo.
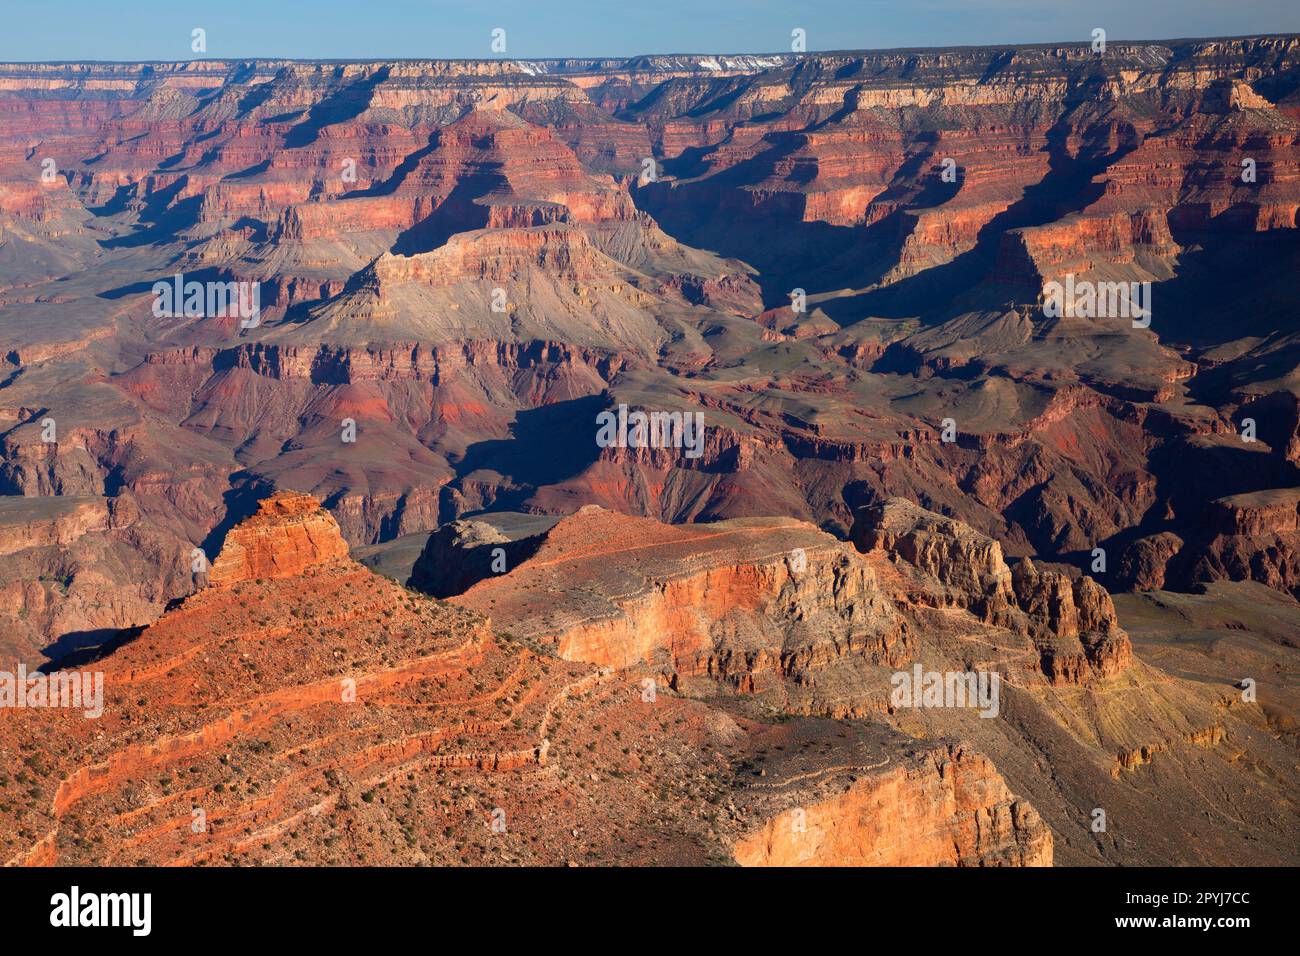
(1253, 536)
(1073, 623)
(951, 802)
(289, 533)
(37, 522)
(1275, 512)
(761, 605)
(1071, 620)
(968, 565)
(1144, 563)
(74, 571)
(461, 553)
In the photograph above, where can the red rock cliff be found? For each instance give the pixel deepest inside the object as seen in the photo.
(289, 533)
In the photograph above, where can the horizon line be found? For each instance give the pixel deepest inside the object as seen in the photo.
(1048, 45)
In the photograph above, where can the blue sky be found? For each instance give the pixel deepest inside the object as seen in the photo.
(361, 29)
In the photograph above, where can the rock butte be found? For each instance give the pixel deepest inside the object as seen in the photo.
(289, 533)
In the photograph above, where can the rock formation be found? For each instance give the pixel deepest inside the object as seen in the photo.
(1072, 622)
(289, 533)
(304, 710)
(780, 613)
(955, 798)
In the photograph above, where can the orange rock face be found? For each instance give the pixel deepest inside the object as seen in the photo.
(289, 533)
(783, 613)
(724, 600)
(954, 803)
(326, 715)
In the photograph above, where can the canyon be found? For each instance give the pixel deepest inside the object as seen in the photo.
(320, 713)
(393, 476)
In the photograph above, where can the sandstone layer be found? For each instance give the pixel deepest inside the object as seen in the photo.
(781, 613)
(321, 714)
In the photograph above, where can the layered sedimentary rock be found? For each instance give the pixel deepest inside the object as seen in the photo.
(763, 603)
(1246, 537)
(785, 614)
(970, 563)
(1254, 537)
(288, 533)
(321, 714)
(435, 229)
(1072, 621)
(838, 261)
(758, 604)
(29, 524)
(953, 800)
(76, 569)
